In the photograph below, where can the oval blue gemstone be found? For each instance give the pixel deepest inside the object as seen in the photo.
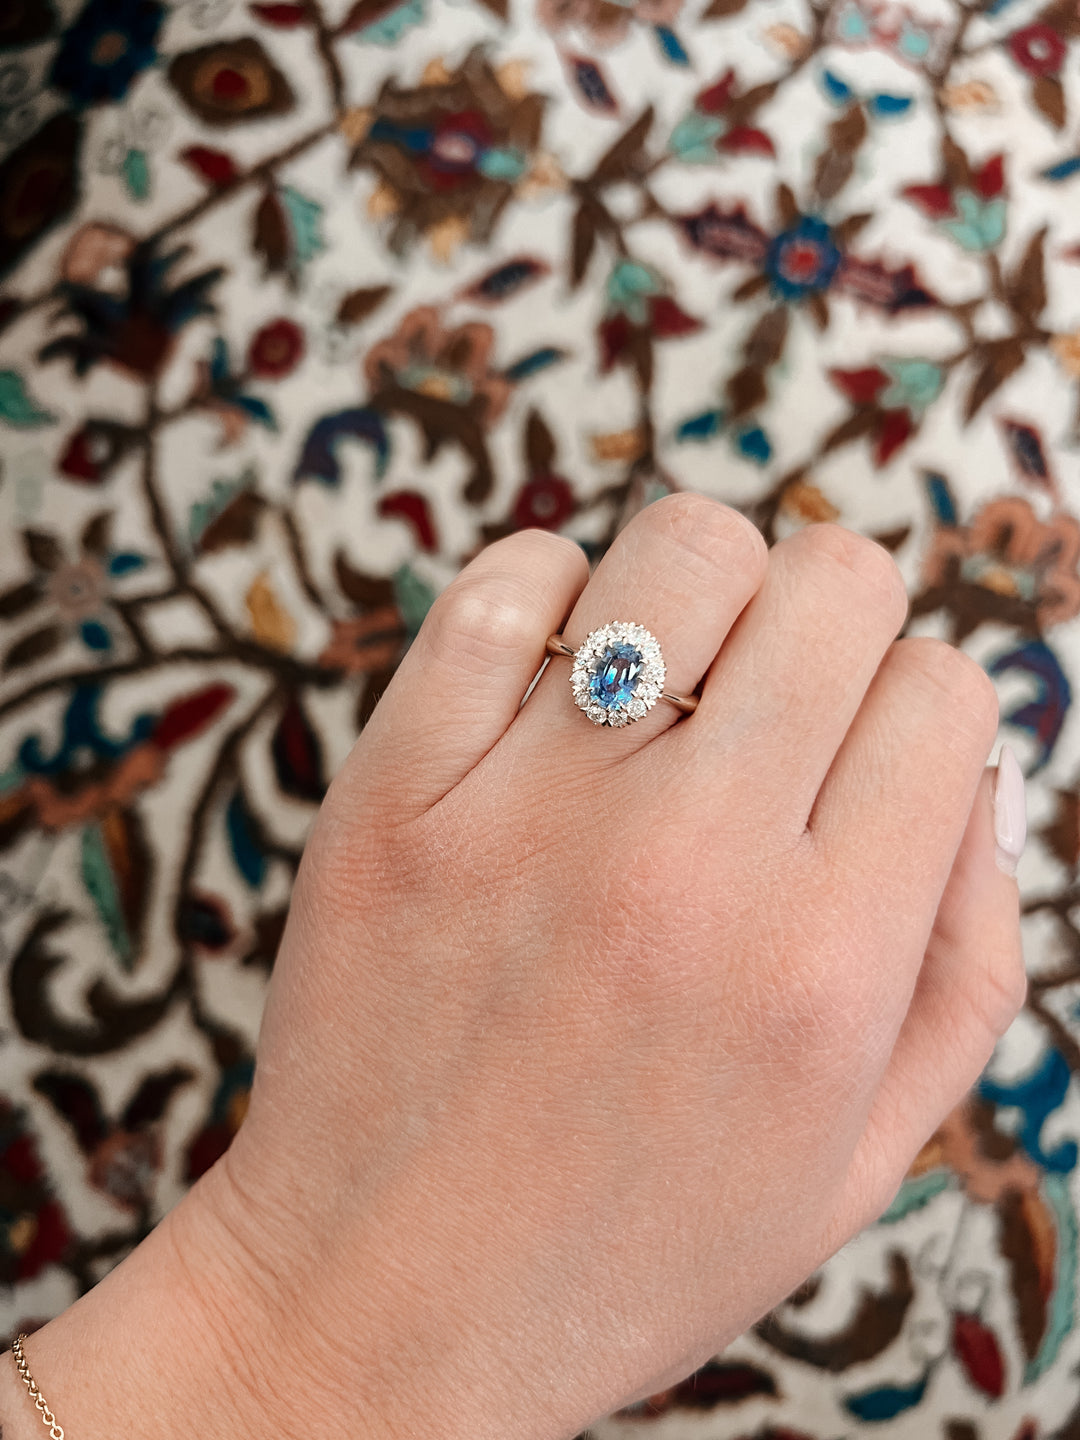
(616, 676)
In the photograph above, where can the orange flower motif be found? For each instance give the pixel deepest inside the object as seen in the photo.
(56, 809)
(94, 248)
(370, 642)
(1009, 550)
(449, 365)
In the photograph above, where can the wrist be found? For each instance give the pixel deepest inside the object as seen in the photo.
(163, 1344)
(214, 1327)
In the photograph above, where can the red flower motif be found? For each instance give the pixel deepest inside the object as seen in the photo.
(457, 146)
(891, 428)
(713, 100)
(413, 508)
(667, 319)
(48, 1238)
(620, 338)
(938, 202)
(276, 349)
(897, 428)
(1038, 49)
(990, 180)
(615, 333)
(546, 502)
(862, 387)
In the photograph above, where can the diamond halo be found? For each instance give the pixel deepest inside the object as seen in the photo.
(618, 674)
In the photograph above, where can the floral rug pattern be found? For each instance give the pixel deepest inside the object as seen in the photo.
(302, 305)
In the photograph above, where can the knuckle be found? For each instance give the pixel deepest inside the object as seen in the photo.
(481, 621)
(864, 557)
(1001, 995)
(708, 531)
(955, 677)
(542, 550)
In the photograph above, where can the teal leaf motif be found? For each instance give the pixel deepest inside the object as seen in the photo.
(854, 25)
(506, 164)
(915, 1195)
(1062, 1306)
(694, 138)
(981, 225)
(100, 884)
(887, 1401)
(754, 444)
(1063, 170)
(305, 222)
(941, 499)
(95, 636)
(16, 406)
(671, 45)
(222, 492)
(838, 91)
(258, 409)
(914, 42)
(700, 427)
(629, 288)
(244, 841)
(890, 107)
(125, 562)
(389, 29)
(916, 384)
(136, 173)
(414, 596)
(533, 363)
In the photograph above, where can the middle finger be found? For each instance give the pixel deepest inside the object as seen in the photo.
(789, 680)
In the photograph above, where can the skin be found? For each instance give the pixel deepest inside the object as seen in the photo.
(584, 1047)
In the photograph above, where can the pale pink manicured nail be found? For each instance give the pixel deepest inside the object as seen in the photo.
(1010, 811)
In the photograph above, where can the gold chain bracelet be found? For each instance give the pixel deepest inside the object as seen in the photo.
(56, 1432)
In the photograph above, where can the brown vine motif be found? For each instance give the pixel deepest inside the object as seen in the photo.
(442, 164)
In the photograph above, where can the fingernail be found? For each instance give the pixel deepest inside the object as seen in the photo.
(1010, 811)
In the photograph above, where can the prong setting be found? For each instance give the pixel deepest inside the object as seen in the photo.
(618, 674)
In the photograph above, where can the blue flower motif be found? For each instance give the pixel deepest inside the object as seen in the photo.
(803, 260)
(110, 43)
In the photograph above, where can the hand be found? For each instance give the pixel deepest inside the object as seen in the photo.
(585, 1046)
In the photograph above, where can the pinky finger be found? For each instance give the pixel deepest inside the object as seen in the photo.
(970, 988)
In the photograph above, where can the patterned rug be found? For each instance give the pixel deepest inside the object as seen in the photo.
(305, 303)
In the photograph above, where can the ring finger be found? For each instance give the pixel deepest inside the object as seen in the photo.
(683, 568)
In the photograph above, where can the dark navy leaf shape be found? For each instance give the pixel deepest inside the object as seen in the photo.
(535, 361)
(245, 841)
(319, 456)
(507, 280)
(1044, 716)
(591, 85)
(941, 499)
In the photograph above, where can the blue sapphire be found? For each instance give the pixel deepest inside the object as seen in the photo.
(616, 676)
